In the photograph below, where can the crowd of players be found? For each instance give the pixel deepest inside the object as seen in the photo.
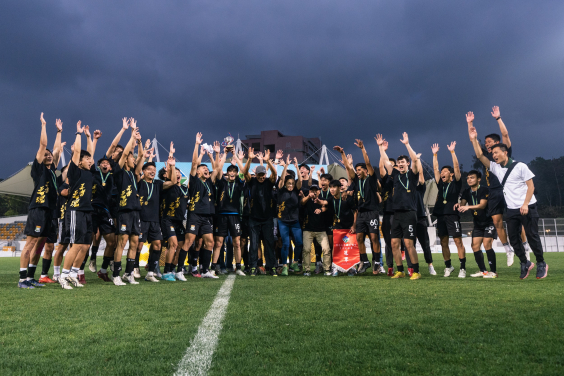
(125, 200)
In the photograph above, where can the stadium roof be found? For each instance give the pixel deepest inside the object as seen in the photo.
(19, 184)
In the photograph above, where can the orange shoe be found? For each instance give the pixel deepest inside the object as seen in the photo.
(46, 279)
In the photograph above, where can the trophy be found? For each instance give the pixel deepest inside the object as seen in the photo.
(228, 143)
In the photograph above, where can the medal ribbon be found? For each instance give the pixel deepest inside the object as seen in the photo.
(335, 207)
(102, 177)
(445, 193)
(131, 177)
(149, 190)
(406, 187)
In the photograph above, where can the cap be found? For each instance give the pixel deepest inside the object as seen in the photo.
(313, 186)
(260, 170)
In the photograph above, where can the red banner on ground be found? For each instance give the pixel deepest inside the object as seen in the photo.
(345, 250)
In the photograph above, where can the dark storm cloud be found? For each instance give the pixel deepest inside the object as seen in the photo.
(337, 70)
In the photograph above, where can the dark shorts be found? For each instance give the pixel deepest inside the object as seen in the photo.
(225, 224)
(199, 224)
(53, 235)
(64, 234)
(171, 227)
(368, 222)
(449, 225)
(128, 223)
(484, 231)
(496, 202)
(102, 220)
(150, 231)
(79, 226)
(404, 224)
(245, 229)
(39, 222)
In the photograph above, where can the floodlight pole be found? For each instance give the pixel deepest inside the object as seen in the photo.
(156, 148)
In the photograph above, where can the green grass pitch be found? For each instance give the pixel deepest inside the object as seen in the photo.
(363, 325)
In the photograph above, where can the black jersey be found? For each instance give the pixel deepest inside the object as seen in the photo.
(387, 184)
(149, 199)
(492, 180)
(44, 186)
(246, 200)
(313, 222)
(343, 209)
(421, 189)
(102, 188)
(261, 199)
(327, 215)
(228, 196)
(80, 191)
(447, 197)
(288, 205)
(473, 198)
(367, 193)
(62, 201)
(127, 189)
(174, 202)
(405, 190)
(202, 196)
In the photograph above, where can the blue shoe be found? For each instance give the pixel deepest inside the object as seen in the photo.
(25, 285)
(169, 277)
(33, 282)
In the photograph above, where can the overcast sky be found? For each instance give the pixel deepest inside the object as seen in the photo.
(338, 70)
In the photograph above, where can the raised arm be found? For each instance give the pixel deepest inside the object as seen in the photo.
(217, 172)
(283, 177)
(299, 181)
(435, 150)
(77, 143)
(420, 167)
(348, 165)
(130, 144)
(473, 134)
(116, 140)
(57, 145)
(245, 171)
(455, 164)
(502, 128)
(195, 155)
(273, 173)
(384, 165)
(42, 141)
(412, 154)
(369, 167)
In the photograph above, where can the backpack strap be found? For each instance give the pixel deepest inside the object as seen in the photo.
(509, 169)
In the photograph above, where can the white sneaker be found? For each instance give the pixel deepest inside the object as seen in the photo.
(432, 270)
(180, 276)
(528, 255)
(64, 283)
(158, 272)
(118, 282)
(209, 275)
(240, 272)
(131, 279)
(212, 272)
(56, 277)
(136, 273)
(477, 274)
(462, 273)
(74, 281)
(510, 257)
(92, 266)
(381, 270)
(448, 271)
(490, 275)
(150, 277)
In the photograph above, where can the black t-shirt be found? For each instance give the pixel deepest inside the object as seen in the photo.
(305, 185)
(62, 201)
(447, 192)
(367, 193)
(327, 215)
(261, 199)
(202, 196)
(343, 210)
(246, 201)
(492, 180)
(102, 188)
(229, 196)
(474, 198)
(80, 192)
(127, 189)
(44, 186)
(150, 199)
(387, 183)
(405, 190)
(288, 205)
(174, 202)
(421, 188)
(313, 222)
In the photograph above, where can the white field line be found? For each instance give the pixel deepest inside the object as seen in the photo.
(198, 357)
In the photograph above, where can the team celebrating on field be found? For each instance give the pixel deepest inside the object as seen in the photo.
(123, 199)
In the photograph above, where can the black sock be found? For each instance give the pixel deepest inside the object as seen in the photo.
(31, 271)
(137, 255)
(130, 264)
(363, 257)
(45, 266)
(479, 256)
(376, 258)
(491, 260)
(448, 263)
(154, 257)
(181, 259)
(93, 251)
(83, 265)
(157, 259)
(205, 258)
(415, 267)
(167, 268)
(463, 263)
(259, 263)
(194, 259)
(106, 262)
(23, 274)
(117, 268)
(400, 268)
(237, 266)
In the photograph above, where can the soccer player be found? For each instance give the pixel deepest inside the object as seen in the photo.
(307, 176)
(327, 217)
(518, 188)
(449, 185)
(421, 228)
(387, 184)
(314, 229)
(42, 204)
(476, 196)
(367, 189)
(63, 234)
(261, 224)
(404, 203)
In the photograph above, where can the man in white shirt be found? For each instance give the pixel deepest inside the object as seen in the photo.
(518, 190)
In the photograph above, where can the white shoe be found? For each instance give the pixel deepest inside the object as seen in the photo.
(528, 255)
(490, 275)
(381, 270)
(150, 277)
(477, 274)
(118, 281)
(209, 275)
(510, 257)
(74, 281)
(136, 273)
(462, 273)
(180, 276)
(448, 271)
(92, 266)
(212, 272)
(64, 283)
(240, 272)
(56, 277)
(432, 270)
(131, 279)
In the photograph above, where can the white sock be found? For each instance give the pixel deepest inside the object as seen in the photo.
(149, 274)
(57, 270)
(81, 272)
(66, 271)
(43, 275)
(526, 246)
(507, 248)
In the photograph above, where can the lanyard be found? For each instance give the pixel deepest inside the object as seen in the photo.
(54, 178)
(406, 187)
(184, 192)
(338, 213)
(104, 179)
(131, 177)
(149, 190)
(326, 195)
(474, 200)
(361, 184)
(230, 191)
(207, 188)
(445, 193)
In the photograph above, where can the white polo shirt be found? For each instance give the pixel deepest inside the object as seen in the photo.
(515, 188)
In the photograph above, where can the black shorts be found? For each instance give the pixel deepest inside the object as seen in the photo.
(38, 222)
(150, 231)
(449, 225)
(53, 235)
(199, 224)
(404, 224)
(488, 231)
(79, 226)
(225, 224)
(496, 202)
(245, 229)
(171, 227)
(102, 220)
(368, 222)
(64, 234)
(128, 223)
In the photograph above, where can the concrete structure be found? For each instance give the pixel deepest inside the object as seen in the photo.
(297, 146)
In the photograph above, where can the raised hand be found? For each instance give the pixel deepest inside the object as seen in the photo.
(202, 151)
(125, 124)
(435, 148)
(296, 164)
(251, 153)
(216, 147)
(473, 133)
(405, 139)
(385, 145)
(259, 156)
(338, 148)
(133, 123)
(451, 146)
(171, 161)
(267, 154)
(43, 122)
(137, 135)
(470, 117)
(495, 112)
(153, 154)
(79, 129)
(87, 131)
(311, 169)
(59, 125)
(241, 155)
(322, 170)
(62, 147)
(172, 151)
(281, 162)
(379, 139)
(418, 155)
(288, 159)
(199, 138)
(97, 134)
(148, 153)
(279, 154)
(359, 143)
(147, 143)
